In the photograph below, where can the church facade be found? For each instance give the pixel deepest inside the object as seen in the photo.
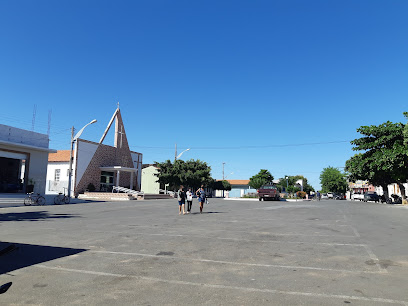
(97, 166)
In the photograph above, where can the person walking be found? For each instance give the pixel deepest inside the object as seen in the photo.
(201, 197)
(318, 196)
(181, 197)
(189, 196)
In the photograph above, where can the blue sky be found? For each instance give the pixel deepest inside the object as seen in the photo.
(236, 81)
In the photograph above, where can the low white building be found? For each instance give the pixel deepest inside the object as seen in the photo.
(149, 179)
(239, 188)
(23, 160)
(58, 172)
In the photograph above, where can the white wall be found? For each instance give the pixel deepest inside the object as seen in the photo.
(86, 151)
(20, 136)
(392, 189)
(149, 184)
(37, 170)
(137, 163)
(57, 187)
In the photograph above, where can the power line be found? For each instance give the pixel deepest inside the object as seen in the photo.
(253, 147)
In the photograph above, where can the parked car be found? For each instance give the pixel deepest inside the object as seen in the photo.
(339, 196)
(371, 196)
(357, 196)
(330, 195)
(324, 196)
(268, 192)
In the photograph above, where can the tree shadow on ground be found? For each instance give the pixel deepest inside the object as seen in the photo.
(20, 255)
(34, 216)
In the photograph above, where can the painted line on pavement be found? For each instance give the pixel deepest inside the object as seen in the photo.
(236, 263)
(252, 240)
(256, 232)
(375, 259)
(215, 286)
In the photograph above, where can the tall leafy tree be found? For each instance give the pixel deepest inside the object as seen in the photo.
(257, 182)
(406, 130)
(222, 185)
(290, 185)
(265, 175)
(261, 178)
(192, 173)
(333, 180)
(383, 157)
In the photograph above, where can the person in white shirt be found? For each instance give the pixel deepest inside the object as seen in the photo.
(189, 195)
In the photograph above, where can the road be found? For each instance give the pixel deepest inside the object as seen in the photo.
(236, 253)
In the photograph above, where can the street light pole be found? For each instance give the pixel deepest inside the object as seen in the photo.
(223, 178)
(178, 156)
(73, 139)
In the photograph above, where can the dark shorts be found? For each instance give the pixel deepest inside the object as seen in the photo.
(181, 202)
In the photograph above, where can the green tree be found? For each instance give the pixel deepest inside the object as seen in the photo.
(406, 130)
(261, 178)
(384, 156)
(257, 182)
(222, 185)
(333, 180)
(291, 184)
(192, 173)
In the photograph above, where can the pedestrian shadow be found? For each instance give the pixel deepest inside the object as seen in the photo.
(33, 216)
(14, 256)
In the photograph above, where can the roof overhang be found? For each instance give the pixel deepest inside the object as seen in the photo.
(118, 168)
(26, 147)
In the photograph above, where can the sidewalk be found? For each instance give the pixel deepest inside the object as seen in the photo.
(17, 199)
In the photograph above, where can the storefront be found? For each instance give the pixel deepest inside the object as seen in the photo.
(23, 160)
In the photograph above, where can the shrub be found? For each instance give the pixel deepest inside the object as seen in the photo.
(91, 187)
(301, 194)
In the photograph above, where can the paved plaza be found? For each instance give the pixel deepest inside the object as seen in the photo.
(235, 253)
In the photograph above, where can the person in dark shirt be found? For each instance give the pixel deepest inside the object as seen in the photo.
(181, 197)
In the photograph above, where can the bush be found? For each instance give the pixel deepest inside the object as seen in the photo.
(250, 195)
(301, 194)
(91, 187)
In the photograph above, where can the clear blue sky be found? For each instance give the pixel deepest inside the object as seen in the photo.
(216, 76)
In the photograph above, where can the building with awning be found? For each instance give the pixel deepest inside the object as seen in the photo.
(23, 160)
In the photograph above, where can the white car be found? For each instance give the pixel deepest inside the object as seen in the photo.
(330, 195)
(357, 196)
(324, 196)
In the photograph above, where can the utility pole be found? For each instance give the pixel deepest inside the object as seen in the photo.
(70, 163)
(223, 179)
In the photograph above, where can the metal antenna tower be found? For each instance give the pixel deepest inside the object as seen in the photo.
(33, 121)
(49, 123)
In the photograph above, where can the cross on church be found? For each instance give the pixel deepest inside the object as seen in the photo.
(121, 134)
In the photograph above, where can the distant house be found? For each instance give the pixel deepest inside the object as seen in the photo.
(57, 171)
(361, 187)
(239, 188)
(23, 160)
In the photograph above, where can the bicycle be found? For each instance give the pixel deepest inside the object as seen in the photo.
(32, 199)
(62, 198)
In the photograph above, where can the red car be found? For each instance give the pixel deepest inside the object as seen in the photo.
(268, 192)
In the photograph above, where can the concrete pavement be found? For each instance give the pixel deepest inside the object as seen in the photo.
(237, 252)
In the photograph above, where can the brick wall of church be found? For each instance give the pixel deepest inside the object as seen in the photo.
(106, 156)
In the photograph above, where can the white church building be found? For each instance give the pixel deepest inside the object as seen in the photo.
(96, 166)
